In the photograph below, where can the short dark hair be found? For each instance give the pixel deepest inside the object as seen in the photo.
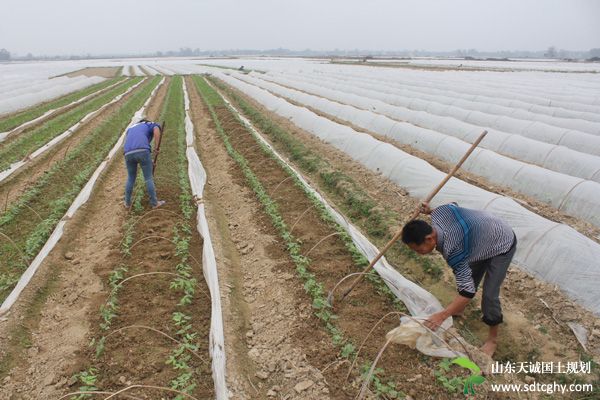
(415, 231)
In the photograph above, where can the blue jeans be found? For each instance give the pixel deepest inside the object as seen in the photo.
(145, 161)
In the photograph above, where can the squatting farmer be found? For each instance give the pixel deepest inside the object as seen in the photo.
(476, 245)
(137, 151)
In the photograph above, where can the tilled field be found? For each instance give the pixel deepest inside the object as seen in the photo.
(121, 303)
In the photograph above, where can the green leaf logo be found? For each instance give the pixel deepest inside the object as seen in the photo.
(474, 379)
(466, 363)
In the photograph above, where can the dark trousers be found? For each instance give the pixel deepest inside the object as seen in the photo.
(493, 271)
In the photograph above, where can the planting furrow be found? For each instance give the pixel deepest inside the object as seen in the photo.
(154, 328)
(322, 252)
(34, 116)
(28, 223)
(46, 137)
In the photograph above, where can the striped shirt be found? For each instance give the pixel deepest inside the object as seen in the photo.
(465, 236)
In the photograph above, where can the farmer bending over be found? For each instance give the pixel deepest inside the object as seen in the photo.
(475, 244)
(137, 151)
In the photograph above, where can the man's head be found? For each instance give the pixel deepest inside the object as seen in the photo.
(419, 236)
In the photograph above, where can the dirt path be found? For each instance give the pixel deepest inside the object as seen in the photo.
(54, 327)
(264, 304)
(14, 186)
(104, 72)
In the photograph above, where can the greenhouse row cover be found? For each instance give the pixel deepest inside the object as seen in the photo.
(39, 85)
(553, 157)
(573, 88)
(550, 251)
(25, 97)
(548, 65)
(573, 139)
(521, 112)
(443, 89)
(575, 196)
(495, 84)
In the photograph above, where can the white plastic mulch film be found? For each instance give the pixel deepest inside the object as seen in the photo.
(81, 199)
(18, 164)
(418, 301)
(4, 135)
(573, 195)
(550, 251)
(20, 98)
(512, 144)
(197, 176)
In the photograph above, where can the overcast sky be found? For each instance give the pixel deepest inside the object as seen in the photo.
(126, 26)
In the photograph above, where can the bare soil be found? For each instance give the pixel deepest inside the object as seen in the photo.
(138, 356)
(104, 72)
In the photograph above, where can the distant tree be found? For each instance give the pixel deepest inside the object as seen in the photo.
(551, 52)
(4, 55)
(595, 52)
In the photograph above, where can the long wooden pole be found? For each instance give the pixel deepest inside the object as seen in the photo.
(415, 214)
(162, 131)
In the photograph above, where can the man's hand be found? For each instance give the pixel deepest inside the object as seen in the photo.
(425, 209)
(435, 320)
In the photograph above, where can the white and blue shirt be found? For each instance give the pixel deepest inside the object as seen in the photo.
(465, 236)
